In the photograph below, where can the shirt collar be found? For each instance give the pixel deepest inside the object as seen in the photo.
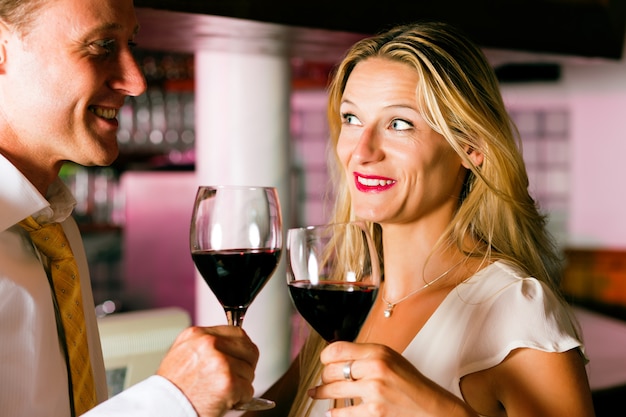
(19, 198)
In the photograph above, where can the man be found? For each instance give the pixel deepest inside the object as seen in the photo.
(65, 69)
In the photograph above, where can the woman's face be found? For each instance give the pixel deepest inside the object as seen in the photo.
(399, 170)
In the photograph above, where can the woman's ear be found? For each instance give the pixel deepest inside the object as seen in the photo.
(474, 155)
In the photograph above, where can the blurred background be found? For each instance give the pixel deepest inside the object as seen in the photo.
(236, 94)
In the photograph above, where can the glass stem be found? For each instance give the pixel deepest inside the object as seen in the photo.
(235, 316)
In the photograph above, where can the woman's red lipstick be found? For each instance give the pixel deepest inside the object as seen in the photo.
(369, 183)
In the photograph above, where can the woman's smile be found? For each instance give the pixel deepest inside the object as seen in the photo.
(370, 183)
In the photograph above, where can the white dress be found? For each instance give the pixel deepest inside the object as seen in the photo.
(481, 321)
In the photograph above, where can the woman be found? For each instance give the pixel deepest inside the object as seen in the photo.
(468, 320)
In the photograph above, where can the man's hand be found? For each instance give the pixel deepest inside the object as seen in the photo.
(213, 366)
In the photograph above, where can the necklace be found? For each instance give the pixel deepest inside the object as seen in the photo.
(390, 306)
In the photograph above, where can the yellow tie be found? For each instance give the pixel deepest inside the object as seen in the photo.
(52, 242)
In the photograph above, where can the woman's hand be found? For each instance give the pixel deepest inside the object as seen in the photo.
(384, 381)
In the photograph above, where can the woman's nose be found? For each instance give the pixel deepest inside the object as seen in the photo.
(368, 147)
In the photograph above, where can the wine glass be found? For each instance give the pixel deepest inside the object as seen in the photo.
(236, 243)
(333, 277)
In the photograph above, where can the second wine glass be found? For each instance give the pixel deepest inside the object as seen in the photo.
(333, 276)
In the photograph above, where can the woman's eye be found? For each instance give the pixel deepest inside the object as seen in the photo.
(350, 119)
(399, 124)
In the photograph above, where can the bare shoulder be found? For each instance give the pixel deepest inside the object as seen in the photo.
(531, 382)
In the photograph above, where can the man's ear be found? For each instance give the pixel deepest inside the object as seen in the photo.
(474, 155)
(5, 33)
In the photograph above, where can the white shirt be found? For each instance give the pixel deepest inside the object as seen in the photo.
(484, 319)
(481, 321)
(33, 374)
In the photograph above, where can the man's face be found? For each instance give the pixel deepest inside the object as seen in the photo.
(63, 81)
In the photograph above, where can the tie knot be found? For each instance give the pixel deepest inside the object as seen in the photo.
(49, 238)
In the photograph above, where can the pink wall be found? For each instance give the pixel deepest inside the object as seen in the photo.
(157, 265)
(595, 93)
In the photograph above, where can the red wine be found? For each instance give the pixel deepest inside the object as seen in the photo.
(236, 275)
(336, 310)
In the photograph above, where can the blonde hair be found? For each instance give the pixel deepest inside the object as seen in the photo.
(459, 97)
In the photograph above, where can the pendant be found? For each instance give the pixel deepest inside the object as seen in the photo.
(389, 310)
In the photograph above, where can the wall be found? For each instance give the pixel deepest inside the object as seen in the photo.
(595, 93)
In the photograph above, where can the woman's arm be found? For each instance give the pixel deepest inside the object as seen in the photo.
(530, 382)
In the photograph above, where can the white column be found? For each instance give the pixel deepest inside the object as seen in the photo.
(242, 138)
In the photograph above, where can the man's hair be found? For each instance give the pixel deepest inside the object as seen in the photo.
(19, 13)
